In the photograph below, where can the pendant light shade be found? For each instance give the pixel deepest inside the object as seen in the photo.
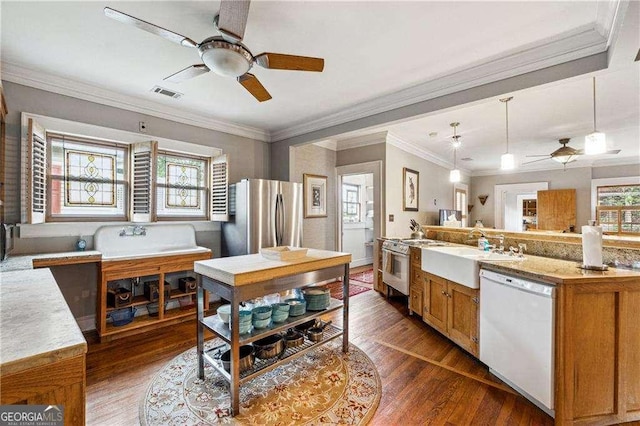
(454, 175)
(507, 160)
(595, 142)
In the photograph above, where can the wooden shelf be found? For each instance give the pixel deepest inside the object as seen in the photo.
(137, 301)
(215, 324)
(176, 293)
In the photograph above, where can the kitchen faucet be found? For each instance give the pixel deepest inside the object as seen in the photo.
(473, 231)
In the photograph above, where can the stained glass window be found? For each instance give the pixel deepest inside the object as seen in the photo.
(87, 178)
(181, 185)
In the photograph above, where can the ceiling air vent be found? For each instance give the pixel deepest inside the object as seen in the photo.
(166, 92)
(466, 159)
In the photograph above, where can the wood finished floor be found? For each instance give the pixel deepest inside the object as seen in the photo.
(426, 379)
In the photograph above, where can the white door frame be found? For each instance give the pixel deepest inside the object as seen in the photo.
(374, 167)
(500, 194)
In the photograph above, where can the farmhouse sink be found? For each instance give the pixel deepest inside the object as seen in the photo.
(117, 242)
(459, 264)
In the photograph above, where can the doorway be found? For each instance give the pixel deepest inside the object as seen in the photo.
(509, 203)
(359, 201)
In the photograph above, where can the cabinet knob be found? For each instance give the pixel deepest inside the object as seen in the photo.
(448, 295)
(443, 292)
(474, 339)
(476, 300)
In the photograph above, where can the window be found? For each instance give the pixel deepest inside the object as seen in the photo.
(618, 208)
(86, 179)
(181, 186)
(350, 203)
(75, 178)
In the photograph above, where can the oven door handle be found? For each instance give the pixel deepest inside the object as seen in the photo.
(395, 253)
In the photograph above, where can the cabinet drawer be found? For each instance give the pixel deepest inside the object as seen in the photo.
(415, 300)
(416, 256)
(417, 277)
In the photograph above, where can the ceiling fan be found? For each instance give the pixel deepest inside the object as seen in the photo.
(564, 154)
(225, 54)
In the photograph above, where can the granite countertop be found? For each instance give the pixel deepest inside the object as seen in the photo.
(37, 326)
(556, 271)
(23, 262)
(252, 268)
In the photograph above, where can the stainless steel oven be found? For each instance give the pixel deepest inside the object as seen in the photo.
(395, 265)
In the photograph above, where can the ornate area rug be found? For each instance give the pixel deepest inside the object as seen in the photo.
(335, 289)
(363, 277)
(323, 386)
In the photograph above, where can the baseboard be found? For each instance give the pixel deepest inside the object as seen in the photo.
(361, 262)
(87, 323)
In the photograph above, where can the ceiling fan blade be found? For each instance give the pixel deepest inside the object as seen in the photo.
(232, 19)
(612, 151)
(279, 61)
(146, 26)
(535, 161)
(251, 83)
(187, 73)
(538, 155)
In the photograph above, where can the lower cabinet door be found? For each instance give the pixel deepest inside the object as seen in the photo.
(462, 316)
(435, 302)
(415, 300)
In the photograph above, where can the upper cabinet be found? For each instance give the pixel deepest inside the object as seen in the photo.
(556, 209)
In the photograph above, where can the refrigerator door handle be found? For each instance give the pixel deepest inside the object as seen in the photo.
(279, 219)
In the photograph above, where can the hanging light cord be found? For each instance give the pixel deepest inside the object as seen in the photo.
(506, 107)
(594, 104)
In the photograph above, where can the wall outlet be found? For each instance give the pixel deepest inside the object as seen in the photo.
(142, 127)
(391, 218)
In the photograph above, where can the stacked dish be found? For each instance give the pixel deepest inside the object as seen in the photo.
(261, 316)
(297, 307)
(280, 312)
(245, 322)
(317, 298)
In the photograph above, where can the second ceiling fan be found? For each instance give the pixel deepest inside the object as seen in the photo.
(564, 154)
(225, 54)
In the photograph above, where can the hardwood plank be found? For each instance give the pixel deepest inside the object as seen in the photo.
(415, 392)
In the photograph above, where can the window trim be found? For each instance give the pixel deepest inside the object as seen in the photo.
(29, 229)
(49, 217)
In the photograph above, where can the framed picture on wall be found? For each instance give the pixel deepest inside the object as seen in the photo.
(410, 189)
(315, 195)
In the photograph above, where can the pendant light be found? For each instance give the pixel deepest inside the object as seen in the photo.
(595, 142)
(507, 160)
(454, 175)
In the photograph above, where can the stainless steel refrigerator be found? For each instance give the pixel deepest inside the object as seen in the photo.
(263, 213)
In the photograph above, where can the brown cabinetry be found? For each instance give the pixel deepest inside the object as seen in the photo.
(452, 309)
(160, 273)
(378, 285)
(598, 353)
(556, 209)
(416, 282)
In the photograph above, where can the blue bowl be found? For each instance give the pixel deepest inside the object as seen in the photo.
(279, 316)
(262, 313)
(280, 308)
(122, 316)
(261, 323)
(245, 317)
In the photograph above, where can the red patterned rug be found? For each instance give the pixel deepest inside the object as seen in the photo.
(363, 277)
(336, 289)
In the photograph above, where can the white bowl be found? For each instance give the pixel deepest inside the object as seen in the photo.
(224, 313)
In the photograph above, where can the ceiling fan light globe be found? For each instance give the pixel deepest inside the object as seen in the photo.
(225, 62)
(564, 159)
(454, 176)
(595, 143)
(507, 162)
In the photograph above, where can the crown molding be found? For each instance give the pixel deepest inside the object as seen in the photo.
(330, 144)
(356, 142)
(64, 86)
(609, 16)
(571, 45)
(425, 154)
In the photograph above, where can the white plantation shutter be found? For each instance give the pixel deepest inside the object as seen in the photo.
(143, 190)
(219, 188)
(36, 176)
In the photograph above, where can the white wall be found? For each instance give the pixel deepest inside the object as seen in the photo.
(317, 232)
(435, 191)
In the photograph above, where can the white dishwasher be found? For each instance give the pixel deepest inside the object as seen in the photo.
(516, 334)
